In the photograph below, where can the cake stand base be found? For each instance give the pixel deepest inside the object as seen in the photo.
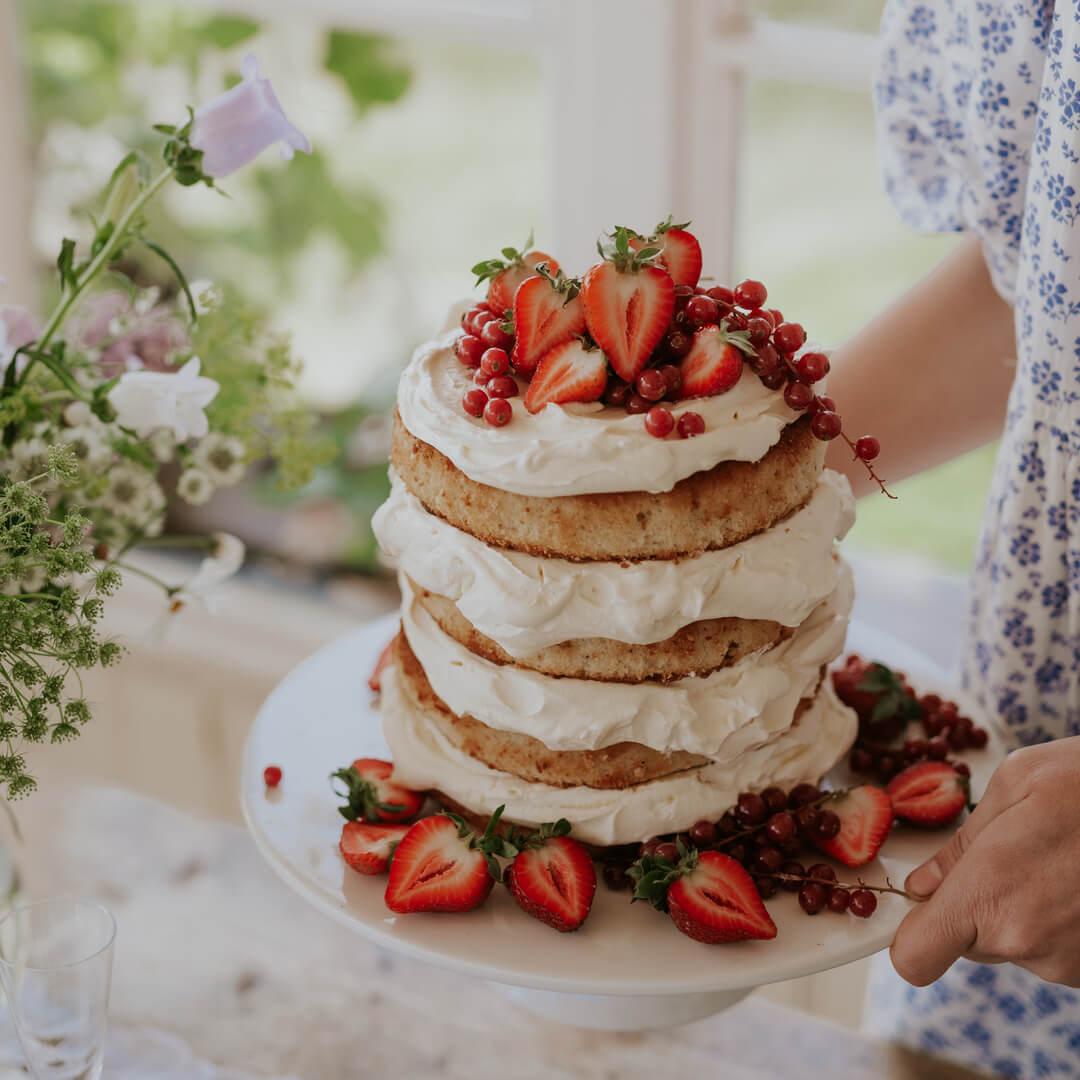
(607, 1012)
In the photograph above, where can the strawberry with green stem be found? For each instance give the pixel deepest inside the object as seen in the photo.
(506, 274)
(680, 252)
(552, 877)
(547, 313)
(370, 793)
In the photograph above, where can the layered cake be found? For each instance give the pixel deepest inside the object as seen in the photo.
(616, 542)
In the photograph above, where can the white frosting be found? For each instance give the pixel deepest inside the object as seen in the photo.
(425, 758)
(526, 603)
(579, 448)
(719, 715)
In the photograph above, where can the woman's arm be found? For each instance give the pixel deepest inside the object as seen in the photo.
(929, 377)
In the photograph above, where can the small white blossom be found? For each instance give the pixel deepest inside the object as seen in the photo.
(145, 400)
(162, 444)
(221, 457)
(87, 444)
(223, 561)
(194, 486)
(128, 492)
(29, 458)
(77, 414)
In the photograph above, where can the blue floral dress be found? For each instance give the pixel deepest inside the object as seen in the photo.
(979, 117)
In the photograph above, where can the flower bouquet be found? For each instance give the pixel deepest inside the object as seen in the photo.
(123, 399)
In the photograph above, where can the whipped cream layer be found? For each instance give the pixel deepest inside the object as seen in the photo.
(424, 758)
(577, 449)
(527, 603)
(719, 715)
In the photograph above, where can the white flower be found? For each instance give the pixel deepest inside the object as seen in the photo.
(235, 127)
(77, 414)
(194, 486)
(129, 492)
(145, 400)
(87, 444)
(223, 561)
(29, 458)
(221, 457)
(162, 444)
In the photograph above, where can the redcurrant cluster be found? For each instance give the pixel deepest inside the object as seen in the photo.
(485, 347)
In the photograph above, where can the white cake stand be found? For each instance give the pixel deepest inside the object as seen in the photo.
(628, 968)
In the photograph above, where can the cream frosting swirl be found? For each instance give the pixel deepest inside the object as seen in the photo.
(527, 603)
(579, 448)
(424, 758)
(718, 715)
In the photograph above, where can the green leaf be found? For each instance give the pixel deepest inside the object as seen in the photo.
(227, 31)
(366, 64)
(158, 250)
(65, 264)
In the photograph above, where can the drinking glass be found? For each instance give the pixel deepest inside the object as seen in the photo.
(56, 968)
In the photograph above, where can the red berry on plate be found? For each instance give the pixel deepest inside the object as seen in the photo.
(758, 331)
(867, 447)
(554, 882)
(668, 850)
(931, 794)
(863, 903)
(813, 897)
(272, 775)
(798, 395)
(767, 361)
(828, 824)
(636, 404)
(469, 349)
(803, 795)
(495, 337)
(498, 412)
(751, 809)
(690, 424)
(775, 379)
(821, 872)
(473, 402)
(866, 816)
(978, 738)
(822, 404)
(659, 422)
(495, 361)
(839, 900)
(502, 386)
(716, 902)
(735, 320)
(775, 799)
(368, 848)
(792, 869)
(825, 426)
(703, 311)
(812, 367)
(789, 337)
(651, 384)
(750, 294)
(937, 748)
(780, 828)
(703, 833)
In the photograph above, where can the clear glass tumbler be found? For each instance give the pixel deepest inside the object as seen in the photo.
(56, 968)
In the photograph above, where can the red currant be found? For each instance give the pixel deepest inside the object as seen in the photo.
(839, 900)
(825, 426)
(498, 412)
(469, 349)
(822, 404)
(703, 833)
(789, 337)
(683, 295)
(937, 749)
(473, 402)
(723, 296)
(767, 360)
(792, 869)
(867, 447)
(272, 775)
(821, 872)
(766, 886)
(813, 897)
(495, 337)
(863, 903)
(962, 768)
(759, 331)
(735, 320)
(659, 422)
(502, 386)
(773, 380)
(828, 824)
(812, 367)
(651, 384)
(674, 381)
(751, 809)
(978, 738)
(803, 795)
(775, 799)
(615, 877)
(494, 362)
(780, 828)
(776, 316)
(667, 850)
(679, 344)
(703, 311)
(769, 859)
(798, 396)
(617, 392)
(635, 404)
(690, 425)
(750, 294)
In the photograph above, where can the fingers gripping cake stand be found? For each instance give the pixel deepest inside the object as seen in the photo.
(627, 968)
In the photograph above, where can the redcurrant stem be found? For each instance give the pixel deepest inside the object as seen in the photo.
(869, 468)
(888, 887)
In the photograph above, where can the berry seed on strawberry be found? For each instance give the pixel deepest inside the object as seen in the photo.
(931, 794)
(367, 848)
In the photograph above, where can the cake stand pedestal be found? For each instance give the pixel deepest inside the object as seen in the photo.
(628, 968)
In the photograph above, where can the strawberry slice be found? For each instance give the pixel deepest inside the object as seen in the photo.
(866, 816)
(368, 848)
(371, 795)
(628, 303)
(547, 312)
(569, 372)
(680, 252)
(553, 878)
(717, 902)
(385, 657)
(713, 365)
(441, 864)
(931, 794)
(505, 275)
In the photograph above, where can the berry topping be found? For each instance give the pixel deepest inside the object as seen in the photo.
(617, 393)
(866, 816)
(553, 878)
(811, 367)
(505, 275)
(498, 412)
(724, 296)
(713, 365)
(690, 424)
(547, 312)
(825, 425)
(798, 395)
(652, 384)
(703, 311)
(758, 331)
(813, 897)
(495, 336)
(494, 362)
(371, 795)
(678, 344)
(368, 848)
(636, 404)
(569, 372)
(867, 447)
(659, 422)
(502, 386)
(628, 304)
(680, 252)
(673, 378)
(863, 903)
(789, 337)
(750, 294)
(385, 657)
(473, 402)
(272, 776)
(931, 794)
(469, 350)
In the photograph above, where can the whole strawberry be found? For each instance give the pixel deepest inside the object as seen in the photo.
(884, 704)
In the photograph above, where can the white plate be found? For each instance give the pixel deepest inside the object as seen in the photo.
(322, 716)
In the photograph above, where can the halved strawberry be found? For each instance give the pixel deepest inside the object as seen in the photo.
(372, 795)
(931, 794)
(385, 657)
(680, 252)
(547, 312)
(507, 273)
(441, 864)
(866, 816)
(628, 303)
(368, 848)
(569, 372)
(713, 365)
(717, 901)
(553, 878)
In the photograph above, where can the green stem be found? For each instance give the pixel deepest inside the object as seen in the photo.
(140, 572)
(97, 264)
(202, 543)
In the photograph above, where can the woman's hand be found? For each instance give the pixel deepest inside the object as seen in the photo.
(1007, 886)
